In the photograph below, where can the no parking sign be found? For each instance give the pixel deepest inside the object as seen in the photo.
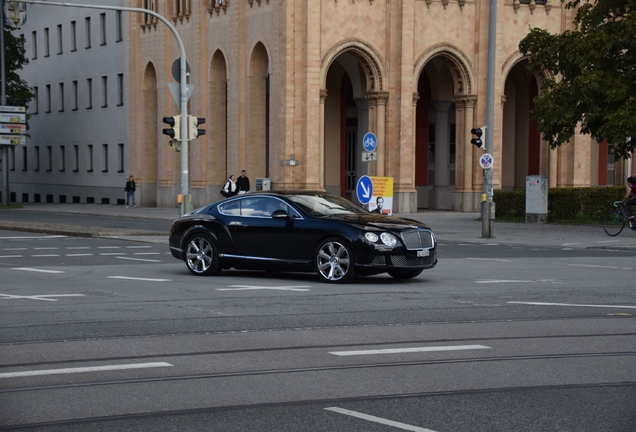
(486, 160)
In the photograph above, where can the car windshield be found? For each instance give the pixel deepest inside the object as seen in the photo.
(326, 205)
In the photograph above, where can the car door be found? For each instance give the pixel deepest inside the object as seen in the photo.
(257, 234)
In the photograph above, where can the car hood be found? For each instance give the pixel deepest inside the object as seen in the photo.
(379, 221)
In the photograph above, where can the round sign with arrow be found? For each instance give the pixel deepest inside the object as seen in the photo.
(364, 190)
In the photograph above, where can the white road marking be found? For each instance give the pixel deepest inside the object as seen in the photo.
(139, 279)
(147, 253)
(573, 305)
(137, 259)
(78, 247)
(112, 253)
(84, 369)
(38, 270)
(570, 244)
(380, 420)
(108, 247)
(251, 287)
(488, 281)
(488, 259)
(410, 350)
(39, 297)
(138, 247)
(43, 256)
(593, 266)
(76, 255)
(33, 237)
(14, 249)
(491, 244)
(45, 248)
(11, 256)
(607, 241)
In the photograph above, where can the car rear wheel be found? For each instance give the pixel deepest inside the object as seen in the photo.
(334, 261)
(405, 274)
(202, 258)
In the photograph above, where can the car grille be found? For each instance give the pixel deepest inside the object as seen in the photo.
(403, 261)
(417, 239)
(379, 260)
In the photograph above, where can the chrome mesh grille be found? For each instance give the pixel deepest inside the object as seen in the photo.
(417, 239)
(378, 260)
(403, 261)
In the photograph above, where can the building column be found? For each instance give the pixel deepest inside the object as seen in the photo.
(382, 98)
(464, 194)
(441, 196)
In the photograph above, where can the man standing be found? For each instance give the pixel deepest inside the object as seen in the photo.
(243, 183)
(130, 191)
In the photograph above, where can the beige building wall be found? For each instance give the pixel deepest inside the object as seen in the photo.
(269, 74)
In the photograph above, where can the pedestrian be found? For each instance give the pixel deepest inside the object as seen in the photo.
(628, 203)
(243, 183)
(229, 189)
(130, 191)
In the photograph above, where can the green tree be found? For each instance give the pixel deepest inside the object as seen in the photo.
(590, 74)
(18, 91)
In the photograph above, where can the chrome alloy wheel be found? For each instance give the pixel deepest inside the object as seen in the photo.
(334, 262)
(199, 255)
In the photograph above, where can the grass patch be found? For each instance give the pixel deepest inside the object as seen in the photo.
(11, 206)
(580, 219)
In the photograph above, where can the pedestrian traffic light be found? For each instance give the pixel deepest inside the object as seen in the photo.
(478, 141)
(175, 127)
(193, 123)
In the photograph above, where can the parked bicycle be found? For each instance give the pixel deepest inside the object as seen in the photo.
(615, 220)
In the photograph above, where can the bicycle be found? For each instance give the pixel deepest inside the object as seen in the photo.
(615, 220)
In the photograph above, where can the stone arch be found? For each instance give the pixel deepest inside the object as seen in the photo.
(369, 59)
(458, 64)
(217, 142)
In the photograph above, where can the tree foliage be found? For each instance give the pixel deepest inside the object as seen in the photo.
(18, 91)
(590, 74)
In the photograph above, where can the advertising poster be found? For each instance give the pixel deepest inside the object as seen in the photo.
(382, 198)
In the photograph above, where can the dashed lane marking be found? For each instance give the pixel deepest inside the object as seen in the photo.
(574, 305)
(38, 270)
(410, 350)
(488, 259)
(276, 288)
(380, 420)
(139, 279)
(84, 369)
(46, 297)
(137, 259)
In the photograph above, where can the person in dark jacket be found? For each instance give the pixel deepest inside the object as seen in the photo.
(130, 191)
(243, 183)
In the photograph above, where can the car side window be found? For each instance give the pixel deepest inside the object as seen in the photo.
(260, 206)
(232, 208)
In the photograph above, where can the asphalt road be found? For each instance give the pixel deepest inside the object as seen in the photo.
(497, 337)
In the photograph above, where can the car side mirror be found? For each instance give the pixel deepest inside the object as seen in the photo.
(280, 214)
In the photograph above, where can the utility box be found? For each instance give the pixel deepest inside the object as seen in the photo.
(263, 184)
(536, 199)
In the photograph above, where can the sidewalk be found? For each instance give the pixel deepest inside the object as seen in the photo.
(448, 226)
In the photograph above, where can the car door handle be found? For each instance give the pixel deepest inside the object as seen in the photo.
(238, 224)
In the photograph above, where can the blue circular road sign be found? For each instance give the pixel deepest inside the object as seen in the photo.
(364, 190)
(370, 142)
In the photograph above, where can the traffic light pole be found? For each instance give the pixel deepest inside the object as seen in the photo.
(486, 205)
(186, 203)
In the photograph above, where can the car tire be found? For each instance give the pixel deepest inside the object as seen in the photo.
(405, 274)
(201, 256)
(334, 261)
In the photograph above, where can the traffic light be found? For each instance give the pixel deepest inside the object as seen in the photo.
(175, 127)
(193, 123)
(479, 132)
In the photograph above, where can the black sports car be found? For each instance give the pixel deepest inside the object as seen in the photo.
(301, 231)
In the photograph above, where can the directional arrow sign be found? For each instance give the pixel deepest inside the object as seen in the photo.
(364, 190)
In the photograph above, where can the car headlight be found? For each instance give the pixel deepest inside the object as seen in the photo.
(388, 239)
(372, 237)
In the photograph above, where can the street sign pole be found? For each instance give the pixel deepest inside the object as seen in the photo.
(186, 204)
(486, 203)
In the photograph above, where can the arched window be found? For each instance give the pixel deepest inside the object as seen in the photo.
(180, 10)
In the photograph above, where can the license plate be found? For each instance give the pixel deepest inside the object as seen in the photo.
(422, 253)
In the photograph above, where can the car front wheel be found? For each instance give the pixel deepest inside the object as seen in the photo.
(334, 261)
(202, 258)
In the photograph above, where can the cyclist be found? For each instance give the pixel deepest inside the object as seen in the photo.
(628, 203)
